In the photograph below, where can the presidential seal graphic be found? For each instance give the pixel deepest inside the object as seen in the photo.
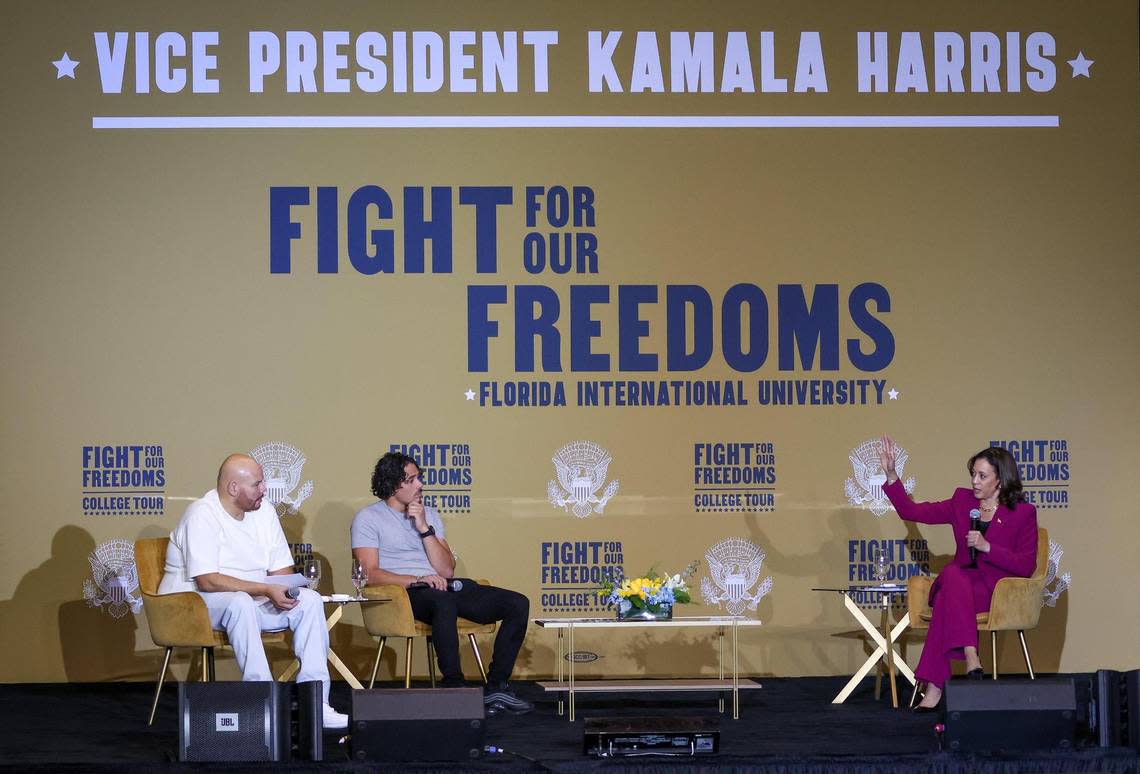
(1049, 596)
(866, 488)
(114, 579)
(282, 463)
(581, 469)
(734, 568)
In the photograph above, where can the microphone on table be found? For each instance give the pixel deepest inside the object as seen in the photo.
(975, 517)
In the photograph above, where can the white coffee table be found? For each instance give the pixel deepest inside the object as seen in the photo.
(566, 628)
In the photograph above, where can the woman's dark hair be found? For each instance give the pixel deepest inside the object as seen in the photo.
(1009, 481)
(389, 473)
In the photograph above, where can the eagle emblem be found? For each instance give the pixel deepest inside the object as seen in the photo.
(282, 463)
(866, 488)
(1049, 596)
(114, 578)
(581, 470)
(734, 567)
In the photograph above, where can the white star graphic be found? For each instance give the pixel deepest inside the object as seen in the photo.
(1081, 65)
(470, 395)
(65, 67)
(893, 394)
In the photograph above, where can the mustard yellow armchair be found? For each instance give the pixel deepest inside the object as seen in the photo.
(395, 619)
(177, 620)
(1015, 606)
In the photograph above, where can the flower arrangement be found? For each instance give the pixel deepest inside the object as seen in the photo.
(651, 596)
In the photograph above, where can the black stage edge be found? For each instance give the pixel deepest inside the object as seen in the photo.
(787, 726)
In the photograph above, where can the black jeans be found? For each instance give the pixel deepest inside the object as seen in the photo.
(482, 604)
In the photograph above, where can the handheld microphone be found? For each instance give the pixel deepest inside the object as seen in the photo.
(975, 516)
(293, 593)
(452, 585)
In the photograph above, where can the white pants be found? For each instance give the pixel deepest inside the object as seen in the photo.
(243, 621)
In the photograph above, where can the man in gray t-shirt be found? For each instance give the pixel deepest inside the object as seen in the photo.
(398, 540)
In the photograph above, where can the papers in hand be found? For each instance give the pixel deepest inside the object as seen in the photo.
(294, 581)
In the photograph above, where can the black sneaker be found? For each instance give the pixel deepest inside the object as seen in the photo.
(500, 698)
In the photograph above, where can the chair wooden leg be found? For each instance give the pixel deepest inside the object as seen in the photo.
(431, 661)
(158, 688)
(478, 657)
(408, 663)
(210, 661)
(1025, 652)
(376, 663)
(993, 647)
(205, 665)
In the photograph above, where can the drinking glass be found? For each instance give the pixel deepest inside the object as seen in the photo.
(879, 560)
(312, 573)
(359, 577)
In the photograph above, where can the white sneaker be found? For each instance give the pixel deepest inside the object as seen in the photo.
(333, 719)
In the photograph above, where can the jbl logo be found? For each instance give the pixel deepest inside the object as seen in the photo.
(226, 721)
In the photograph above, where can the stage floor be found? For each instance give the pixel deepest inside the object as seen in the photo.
(787, 726)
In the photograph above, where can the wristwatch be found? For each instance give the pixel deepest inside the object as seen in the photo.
(427, 532)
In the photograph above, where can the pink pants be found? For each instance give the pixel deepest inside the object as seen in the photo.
(961, 595)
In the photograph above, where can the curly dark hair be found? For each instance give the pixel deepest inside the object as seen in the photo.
(1009, 481)
(389, 473)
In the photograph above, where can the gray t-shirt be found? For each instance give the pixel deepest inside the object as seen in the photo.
(401, 549)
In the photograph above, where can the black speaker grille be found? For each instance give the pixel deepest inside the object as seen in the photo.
(233, 721)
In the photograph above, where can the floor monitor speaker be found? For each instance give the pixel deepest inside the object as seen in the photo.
(417, 724)
(1007, 715)
(233, 721)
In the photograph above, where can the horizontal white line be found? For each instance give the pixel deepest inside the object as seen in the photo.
(570, 122)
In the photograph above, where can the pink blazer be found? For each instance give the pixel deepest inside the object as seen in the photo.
(1012, 533)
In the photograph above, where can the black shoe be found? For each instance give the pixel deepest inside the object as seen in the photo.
(975, 674)
(918, 709)
(500, 698)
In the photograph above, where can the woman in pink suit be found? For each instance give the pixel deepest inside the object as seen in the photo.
(1005, 541)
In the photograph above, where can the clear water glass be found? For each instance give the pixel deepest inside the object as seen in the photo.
(879, 560)
(359, 577)
(312, 573)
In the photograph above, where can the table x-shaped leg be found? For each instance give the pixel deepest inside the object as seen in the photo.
(334, 659)
(882, 648)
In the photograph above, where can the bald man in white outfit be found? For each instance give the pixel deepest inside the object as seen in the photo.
(227, 541)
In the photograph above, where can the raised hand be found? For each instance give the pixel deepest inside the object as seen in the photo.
(887, 455)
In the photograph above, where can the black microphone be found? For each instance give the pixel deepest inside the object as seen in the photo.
(975, 516)
(452, 585)
(293, 593)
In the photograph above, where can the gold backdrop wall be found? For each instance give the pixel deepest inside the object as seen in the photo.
(791, 285)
